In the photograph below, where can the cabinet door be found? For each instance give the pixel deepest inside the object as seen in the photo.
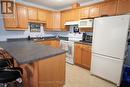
(86, 56)
(56, 20)
(84, 12)
(75, 15)
(68, 15)
(63, 19)
(10, 20)
(49, 21)
(32, 13)
(94, 11)
(123, 6)
(51, 71)
(22, 17)
(77, 53)
(46, 42)
(41, 15)
(108, 8)
(55, 44)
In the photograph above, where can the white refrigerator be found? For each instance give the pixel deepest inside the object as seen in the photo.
(109, 46)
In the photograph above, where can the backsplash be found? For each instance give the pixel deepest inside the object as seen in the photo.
(17, 34)
(57, 33)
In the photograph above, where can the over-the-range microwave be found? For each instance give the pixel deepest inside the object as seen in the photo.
(86, 23)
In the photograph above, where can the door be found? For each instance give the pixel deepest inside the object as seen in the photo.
(110, 35)
(107, 68)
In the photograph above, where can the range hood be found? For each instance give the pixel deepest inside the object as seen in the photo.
(72, 23)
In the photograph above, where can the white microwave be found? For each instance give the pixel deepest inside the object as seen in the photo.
(86, 23)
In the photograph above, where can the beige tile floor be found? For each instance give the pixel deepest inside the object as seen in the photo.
(79, 77)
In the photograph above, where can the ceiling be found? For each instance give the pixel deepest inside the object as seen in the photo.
(58, 4)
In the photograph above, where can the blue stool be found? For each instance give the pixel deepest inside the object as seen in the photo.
(126, 76)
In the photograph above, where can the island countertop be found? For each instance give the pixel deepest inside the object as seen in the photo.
(29, 51)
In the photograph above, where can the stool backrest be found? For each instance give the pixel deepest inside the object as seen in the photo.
(4, 54)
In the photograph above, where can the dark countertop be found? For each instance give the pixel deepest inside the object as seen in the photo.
(29, 51)
(38, 38)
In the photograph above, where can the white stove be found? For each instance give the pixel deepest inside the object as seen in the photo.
(69, 46)
(75, 37)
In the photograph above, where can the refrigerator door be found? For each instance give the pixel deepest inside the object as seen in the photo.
(110, 35)
(107, 68)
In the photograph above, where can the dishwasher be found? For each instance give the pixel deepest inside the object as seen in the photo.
(69, 47)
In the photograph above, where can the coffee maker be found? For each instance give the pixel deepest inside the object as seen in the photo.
(87, 37)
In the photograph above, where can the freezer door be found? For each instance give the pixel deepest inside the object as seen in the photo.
(110, 35)
(107, 68)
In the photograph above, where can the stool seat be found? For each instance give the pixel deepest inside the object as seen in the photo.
(9, 76)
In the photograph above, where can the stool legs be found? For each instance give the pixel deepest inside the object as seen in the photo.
(3, 84)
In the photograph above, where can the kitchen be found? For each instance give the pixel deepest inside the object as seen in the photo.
(57, 44)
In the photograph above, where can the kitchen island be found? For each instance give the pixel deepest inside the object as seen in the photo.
(44, 66)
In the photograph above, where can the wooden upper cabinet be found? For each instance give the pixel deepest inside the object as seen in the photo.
(108, 8)
(11, 22)
(63, 18)
(49, 20)
(75, 15)
(123, 6)
(94, 11)
(84, 12)
(53, 21)
(41, 15)
(56, 20)
(22, 17)
(19, 21)
(69, 15)
(32, 13)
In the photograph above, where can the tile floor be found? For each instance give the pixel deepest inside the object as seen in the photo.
(79, 77)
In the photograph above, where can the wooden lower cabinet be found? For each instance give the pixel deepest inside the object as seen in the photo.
(53, 43)
(78, 53)
(52, 72)
(86, 56)
(48, 72)
(83, 55)
(46, 42)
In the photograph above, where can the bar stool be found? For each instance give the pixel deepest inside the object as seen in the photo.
(8, 75)
(4, 54)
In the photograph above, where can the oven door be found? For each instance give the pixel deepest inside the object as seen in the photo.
(70, 53)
